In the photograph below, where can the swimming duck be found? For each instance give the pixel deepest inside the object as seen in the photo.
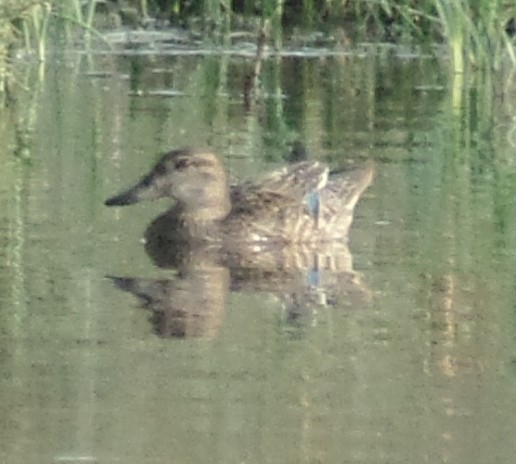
(299, 203)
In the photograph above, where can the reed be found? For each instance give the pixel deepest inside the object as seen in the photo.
(29, 16)
(475, 32)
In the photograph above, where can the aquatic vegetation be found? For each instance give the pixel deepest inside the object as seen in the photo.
(27, 19)
(13, 13)
(476, 32)
(25, 23)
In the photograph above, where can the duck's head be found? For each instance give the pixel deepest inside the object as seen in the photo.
(195, 178)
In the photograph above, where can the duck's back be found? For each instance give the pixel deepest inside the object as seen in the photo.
(296, 204)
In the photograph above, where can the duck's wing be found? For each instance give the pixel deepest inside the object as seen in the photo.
(295, 180)
(281, 188)
(309, 208)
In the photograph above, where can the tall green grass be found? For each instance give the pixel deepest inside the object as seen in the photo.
(474, 31)
(20, 20)
(25, 23)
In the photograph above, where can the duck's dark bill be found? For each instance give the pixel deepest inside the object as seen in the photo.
(126, 198)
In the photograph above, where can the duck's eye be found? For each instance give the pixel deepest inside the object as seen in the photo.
(181, 164)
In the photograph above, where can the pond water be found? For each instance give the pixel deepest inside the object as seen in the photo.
(414, 361)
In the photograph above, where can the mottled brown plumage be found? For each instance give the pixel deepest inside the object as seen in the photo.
(299, 203)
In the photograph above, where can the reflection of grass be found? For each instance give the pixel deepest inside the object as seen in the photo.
(474, 32)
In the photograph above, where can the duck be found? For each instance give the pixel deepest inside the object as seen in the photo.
(300, 203)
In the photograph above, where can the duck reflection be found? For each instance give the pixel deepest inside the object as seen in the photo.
(192, 305)
(285, 234)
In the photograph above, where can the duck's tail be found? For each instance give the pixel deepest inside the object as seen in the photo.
(338, 200)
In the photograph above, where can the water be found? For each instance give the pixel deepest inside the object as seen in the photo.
(415, 363)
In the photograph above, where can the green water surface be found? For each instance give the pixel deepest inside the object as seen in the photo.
(420, 369)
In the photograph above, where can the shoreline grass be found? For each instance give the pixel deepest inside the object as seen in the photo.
(478, 33)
